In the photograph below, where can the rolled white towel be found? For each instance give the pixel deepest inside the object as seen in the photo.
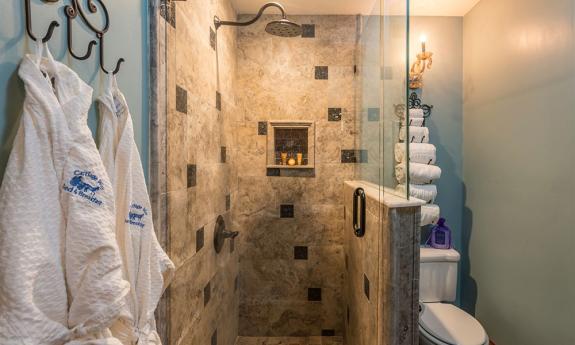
(429, 214)
(416, 122)
(418, 173)
(425, 192)
(416, 134)
(415, 113)
(418, 153)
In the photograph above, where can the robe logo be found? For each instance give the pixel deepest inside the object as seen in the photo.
(85, 185)
(137, 215)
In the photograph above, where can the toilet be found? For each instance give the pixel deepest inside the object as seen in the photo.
(441, 322)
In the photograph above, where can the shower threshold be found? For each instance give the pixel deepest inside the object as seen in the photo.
(289, 341)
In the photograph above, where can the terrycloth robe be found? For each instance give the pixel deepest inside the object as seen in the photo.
(146, 265)
(60, 268)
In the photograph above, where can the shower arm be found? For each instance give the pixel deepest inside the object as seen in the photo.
(218, 22)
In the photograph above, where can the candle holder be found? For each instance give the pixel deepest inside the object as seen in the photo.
(424, 62)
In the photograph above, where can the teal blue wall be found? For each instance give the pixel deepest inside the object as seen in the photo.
(127, 38)
(443, 88)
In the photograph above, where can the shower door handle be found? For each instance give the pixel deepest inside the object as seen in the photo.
(359, 212)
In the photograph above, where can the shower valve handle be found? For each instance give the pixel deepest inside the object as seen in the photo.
(230, 234)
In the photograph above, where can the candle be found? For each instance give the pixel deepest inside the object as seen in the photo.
(423, 40)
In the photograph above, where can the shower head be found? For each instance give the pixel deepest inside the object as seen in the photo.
(283, 28)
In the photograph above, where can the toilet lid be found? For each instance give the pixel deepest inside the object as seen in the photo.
(451, 325)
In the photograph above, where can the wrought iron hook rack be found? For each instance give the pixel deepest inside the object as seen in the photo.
(73, 11)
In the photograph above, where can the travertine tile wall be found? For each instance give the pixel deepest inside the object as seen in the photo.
(203, 299)
(382, 274)
(291, 252)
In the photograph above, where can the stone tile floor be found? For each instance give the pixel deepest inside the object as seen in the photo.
(289, 341)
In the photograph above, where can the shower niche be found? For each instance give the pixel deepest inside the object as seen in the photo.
(291, 145)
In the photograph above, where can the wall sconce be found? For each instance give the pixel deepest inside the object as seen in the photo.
(424, 61)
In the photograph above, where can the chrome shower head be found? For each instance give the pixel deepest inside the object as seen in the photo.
(283, 28)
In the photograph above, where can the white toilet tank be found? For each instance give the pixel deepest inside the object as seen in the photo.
(438, 275)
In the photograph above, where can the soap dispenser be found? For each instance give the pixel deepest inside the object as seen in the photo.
(440, 237)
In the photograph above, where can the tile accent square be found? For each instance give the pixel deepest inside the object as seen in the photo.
(308, 30)
(354, 156)
(273, 172)
(214, 340)
(366, 286)
(218, 100)
(286, 211)
(334, 114)
(348, 156)
(199, 239)
(347, 314)
(212, 39)
(192, 175)
(262, 128)
(373, 114)
(328, 333)
(223, 154)
(181, 99)
(362, 156)
(300, 252)
(207, 293)
(228, 202)
(168, 12)
(314, 294)
(321, 72)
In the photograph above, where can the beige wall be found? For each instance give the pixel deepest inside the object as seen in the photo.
(203, 298)
(519, 166)
(276, 81)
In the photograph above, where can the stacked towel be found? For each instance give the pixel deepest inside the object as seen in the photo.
(416, 122)
(425, 192)
(415, 113)
(416, 134)
(418, 153)
(429, 214)
(418, 173)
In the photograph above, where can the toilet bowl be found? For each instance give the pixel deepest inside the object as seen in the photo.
(440, 322)
(445, 324)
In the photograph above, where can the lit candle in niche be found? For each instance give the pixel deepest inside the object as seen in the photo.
(423, 39)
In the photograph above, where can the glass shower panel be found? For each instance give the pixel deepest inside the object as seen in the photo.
(381, 94)
(369, 97)
(395, 69)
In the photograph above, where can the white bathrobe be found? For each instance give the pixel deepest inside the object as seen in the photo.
(146, 265)
(60, 269)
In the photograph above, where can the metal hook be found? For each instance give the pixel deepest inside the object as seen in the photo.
(118, 64)
(72, 13)
(53, 25)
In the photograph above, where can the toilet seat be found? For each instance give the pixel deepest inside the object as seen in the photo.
(445, 324)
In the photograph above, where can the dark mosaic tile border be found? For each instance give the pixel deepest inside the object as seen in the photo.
(278, 172)
(314, 294)
(300, 253)
(308, 30)
(207, 293)
(262, 128)
(334, 114)
(321, 72)
(168, 12)
(192, 175)
(181, 99)
(199, 239)
(354, 156)
(287, 211)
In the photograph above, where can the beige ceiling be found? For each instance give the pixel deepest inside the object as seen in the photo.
(418, 7)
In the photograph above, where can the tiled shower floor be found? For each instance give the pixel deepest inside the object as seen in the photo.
(289, 341)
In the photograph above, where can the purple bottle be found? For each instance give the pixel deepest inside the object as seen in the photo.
(440, 237)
